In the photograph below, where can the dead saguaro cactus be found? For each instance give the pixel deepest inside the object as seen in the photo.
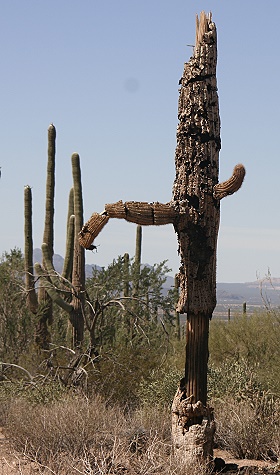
(196, 198)
(195, 213)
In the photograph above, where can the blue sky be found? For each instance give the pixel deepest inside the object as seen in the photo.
(106, 74)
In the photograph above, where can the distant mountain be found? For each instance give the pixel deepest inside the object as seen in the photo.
(58, 262)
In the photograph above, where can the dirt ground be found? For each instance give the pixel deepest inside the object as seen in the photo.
(12, 463)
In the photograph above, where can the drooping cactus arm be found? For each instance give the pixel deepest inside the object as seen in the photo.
(138, 212)
(147, 214)
(231, 185)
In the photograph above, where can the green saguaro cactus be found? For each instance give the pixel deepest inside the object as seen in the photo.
(41, 304)
(58, 289)
(66, 291)
(32, 301)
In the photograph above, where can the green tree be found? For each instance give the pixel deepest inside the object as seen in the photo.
(110, 294)
(15, 319)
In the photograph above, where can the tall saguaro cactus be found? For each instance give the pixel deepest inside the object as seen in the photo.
(32, 301)
(51, 287)
(41, 306)
(78, 276)
(195, 213)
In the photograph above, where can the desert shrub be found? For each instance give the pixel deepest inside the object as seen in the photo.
(249, 428)
(78, 435)
(253, 339)
(160, 388)
(234, 378)
(16, 322)
(39, 390)
(129, 375)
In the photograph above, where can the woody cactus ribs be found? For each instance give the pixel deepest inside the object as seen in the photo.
(194, 210)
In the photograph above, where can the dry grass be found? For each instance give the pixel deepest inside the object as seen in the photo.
(77, 436)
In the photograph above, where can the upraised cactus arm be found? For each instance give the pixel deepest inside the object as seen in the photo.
(231, 185)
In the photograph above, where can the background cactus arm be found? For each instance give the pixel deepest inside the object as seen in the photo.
(68, 261)
(51, 291)
(70, 229)
(59, 282)
(231, 185)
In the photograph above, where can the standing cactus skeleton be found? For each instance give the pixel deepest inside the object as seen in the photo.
(194, 210)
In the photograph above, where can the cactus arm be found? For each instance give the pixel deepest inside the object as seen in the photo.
(78, 279)
(53, 275)
(48, 227)
(32, 301)
(147, 214)
(140, 213)
(231, 185)
(68, 261)
(49, 288)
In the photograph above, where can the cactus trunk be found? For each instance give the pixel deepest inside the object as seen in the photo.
(32, 301)
(78, 277)
(197, 167)
(45, 310)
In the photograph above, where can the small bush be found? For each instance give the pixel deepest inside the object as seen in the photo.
(232, 378)
(249, 428)
(161, 387)
(253, 339)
